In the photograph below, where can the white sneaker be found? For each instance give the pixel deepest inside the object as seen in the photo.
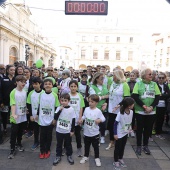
(102, 140)
(111, 145)
(106, 132)
(84, 160)
(132, 134)
(98, 163)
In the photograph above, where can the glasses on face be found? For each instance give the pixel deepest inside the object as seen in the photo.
(161, 78)
(50, 70)
(76, 73)
(81, 72)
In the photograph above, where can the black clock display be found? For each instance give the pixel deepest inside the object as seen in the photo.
(86, 7)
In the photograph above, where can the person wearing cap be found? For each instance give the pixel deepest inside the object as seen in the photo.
(76, 76)
(101, 90)
(64, 84)
(83, 88)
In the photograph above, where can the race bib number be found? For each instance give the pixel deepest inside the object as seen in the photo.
(46, 111)
(89, 123)
(22, 110)
(149, 94)
(127, 128)
(63, 124)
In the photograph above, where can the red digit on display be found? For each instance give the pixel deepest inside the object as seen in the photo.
(89, 7)
(95, 9)
(69, 7)
(76, 7)
(102, 7)
(83, 7)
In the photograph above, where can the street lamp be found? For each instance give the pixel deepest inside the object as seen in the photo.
(27, 53)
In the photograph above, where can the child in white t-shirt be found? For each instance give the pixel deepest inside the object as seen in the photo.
(92, 117)
(122, 127)
(65, 117)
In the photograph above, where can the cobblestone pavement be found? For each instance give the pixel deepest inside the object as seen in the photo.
(29, 160)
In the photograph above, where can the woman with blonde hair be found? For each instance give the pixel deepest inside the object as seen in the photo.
(119, 89)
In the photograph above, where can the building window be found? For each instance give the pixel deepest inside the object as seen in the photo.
(60, 57)
(118, 39)
(168, 50)
(106, 55)
(66, 57)
(65, 51)
(95, 54)
(160, 62)
(161, 51)
(107, 38)
(167, 62)
(83, 54)
(131, 40)
(83, 38)
(130, 55)
(117, 55)
(95, 38)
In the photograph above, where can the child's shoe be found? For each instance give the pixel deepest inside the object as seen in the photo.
(102, 140)
(11, 154)
(84, 160)
(98, 163)
(111, 145)
(70, 160)
(35, 146)
(79, 152)
(116, 165)
(56, 160)
(41, 155)
(20, 148)
(47, 155)
(122, 163)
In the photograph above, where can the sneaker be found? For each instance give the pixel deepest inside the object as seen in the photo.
(63, 151)
(98, 163)
(106, 132)
(29, 134)
(122, 163)
(79, 152)
(116, 165)
(157, 136)
(153, 132)
(150, 139)
(138, 150)
(70, 160)
(132, 134)
(56, 160)
(20, 148)
(161, 137)
(102, 140)
(35, 146)
(41, 155)
(11, 154)
(111, 145)
(84, 160)
(47, 155)
(146, 150)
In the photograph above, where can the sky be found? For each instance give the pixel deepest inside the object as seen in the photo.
(148, 16)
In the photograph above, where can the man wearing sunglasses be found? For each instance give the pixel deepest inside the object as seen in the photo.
(49, 71)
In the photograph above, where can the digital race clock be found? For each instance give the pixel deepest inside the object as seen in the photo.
(86, 7)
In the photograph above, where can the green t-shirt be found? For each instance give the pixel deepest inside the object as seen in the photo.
(147, 94)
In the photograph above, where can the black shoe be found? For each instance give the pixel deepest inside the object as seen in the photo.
(20, 148)
(138, 150)
(56, 160)
(11, 154)
(70, 160)
(146, 150)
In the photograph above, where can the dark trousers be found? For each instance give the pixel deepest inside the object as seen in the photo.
(16, 134)
(144, 127)
(119, 148)
(102, 126)
(45, 138)
(30, 125)
(78, 136)
(36, 132)
(133, 120)
(1, 135)
(160, 113)
(4, 117)
(110, 125)
(66, 138)
(94, 140)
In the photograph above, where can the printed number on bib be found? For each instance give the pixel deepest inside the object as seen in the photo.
(63, 124)
(149, 94)
(22, 111)
(46, 111)
(89, 123)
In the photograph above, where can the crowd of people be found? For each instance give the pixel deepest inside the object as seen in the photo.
(120, 103)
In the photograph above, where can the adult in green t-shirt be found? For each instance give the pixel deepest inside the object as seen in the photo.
(146, 94)
(101, 90)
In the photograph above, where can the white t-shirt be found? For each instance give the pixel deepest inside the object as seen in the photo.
(115, 96)
(124, 125)
(90, 127)
(18, 98)
(65, 120)
(48, 102)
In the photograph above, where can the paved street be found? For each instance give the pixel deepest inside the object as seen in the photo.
(29, 160)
